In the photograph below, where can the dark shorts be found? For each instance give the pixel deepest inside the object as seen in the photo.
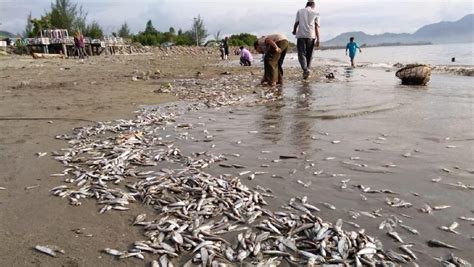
(245, 62)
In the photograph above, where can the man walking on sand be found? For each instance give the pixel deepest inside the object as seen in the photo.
(306, 29)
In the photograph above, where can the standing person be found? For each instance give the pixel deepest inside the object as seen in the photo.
(245, 57)
(82, 45)
(306, 29)
(221, 49)
(77, 45)
(274, 47)
(225, 44)
(352, 47)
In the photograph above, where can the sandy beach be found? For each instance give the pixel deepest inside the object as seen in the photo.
(358, 131)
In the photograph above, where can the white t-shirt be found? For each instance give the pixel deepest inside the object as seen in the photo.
(307, 18)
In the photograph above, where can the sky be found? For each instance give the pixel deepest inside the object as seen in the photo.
(254, 16)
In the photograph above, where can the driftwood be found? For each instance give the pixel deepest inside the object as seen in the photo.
(415, 74)
(41, 55)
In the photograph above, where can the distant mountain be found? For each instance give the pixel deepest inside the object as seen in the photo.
(449, 32)
(4, 34)
(461, 31)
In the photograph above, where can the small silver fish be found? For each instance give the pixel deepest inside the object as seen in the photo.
(442, 207)
(328, 205)
(408, 251)
(113, 252)
(49, 250)
(395, 236)
(409, 229)
(440, 244)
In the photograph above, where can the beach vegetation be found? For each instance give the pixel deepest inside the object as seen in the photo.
(124, 31)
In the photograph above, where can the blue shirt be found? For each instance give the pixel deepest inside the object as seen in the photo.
(352, 47)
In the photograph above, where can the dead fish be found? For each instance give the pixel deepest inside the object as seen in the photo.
(426, 209)
(328, 205)
(225, 165)
(41, 154)
(137, 254)
(113, 252)
(238, 166)
(304, 184)
(408, 251)
(409, 229)
(288, 157)
(355, 225)
(395, 236)
(437, 180)
(32, 187)
(450, 228)
(447, 170)
(3, 188)
(469, 219)
(336, 142)
(367, 250)
(140, 218)
(442, 207)
(318, 172)
(368, 214)
(457, 261)
(440, 244)
(46, 250)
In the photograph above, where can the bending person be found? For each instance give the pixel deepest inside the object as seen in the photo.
(245, 57)
(274, 47)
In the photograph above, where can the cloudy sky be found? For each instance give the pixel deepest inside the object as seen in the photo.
(254, 16)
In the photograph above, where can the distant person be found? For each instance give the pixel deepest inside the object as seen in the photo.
(246, 57)
(82, 45)
(77, 45)
(274, 47)
(306, 29)
(352, 48)
(225, 45)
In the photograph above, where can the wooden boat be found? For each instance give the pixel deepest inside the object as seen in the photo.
(414, 74)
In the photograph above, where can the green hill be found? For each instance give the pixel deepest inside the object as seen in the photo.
(5, 34)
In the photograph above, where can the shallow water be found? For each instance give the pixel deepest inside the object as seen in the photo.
(377, 121)
(439, 54)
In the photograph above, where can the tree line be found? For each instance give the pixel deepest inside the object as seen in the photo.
(66, 14)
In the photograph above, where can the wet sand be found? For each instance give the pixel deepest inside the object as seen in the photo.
(375, 119)
(396, 140)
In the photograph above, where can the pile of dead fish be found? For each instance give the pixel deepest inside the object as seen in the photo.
(214, 92)
(198, 218)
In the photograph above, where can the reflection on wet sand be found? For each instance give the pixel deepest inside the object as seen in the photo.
(271, 124)
(300, 129)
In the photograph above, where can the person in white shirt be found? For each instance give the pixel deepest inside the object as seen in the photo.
(306, 29)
